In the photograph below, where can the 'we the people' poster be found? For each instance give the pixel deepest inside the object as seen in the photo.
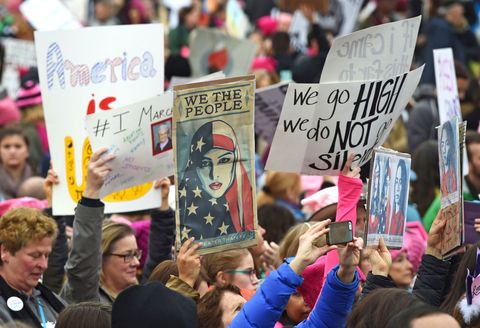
(213, 141)
(83, 71)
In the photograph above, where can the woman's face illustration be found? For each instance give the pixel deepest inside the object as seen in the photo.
(216, 171)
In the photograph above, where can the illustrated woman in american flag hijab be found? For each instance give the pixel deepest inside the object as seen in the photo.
(215, 194)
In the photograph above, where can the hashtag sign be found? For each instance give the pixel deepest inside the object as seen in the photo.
(101, 128)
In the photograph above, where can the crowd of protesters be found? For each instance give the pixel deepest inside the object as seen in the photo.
(121, 270)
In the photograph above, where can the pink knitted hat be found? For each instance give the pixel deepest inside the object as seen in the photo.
(9, 112)
(267, 63)
(414, 244)
(322, 198)
(267, 25)
(29, 202)
(29, 95)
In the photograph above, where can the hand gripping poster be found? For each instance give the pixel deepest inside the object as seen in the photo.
(388, 197)
(213, 142)
(451, 136)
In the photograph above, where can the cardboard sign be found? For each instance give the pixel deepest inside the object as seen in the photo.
(351, 9)
(388, 197)
(451, 140)
(140, 136)
(79, 77)
(471, 212)
(321, 126)
(446, 83)
(49, 15)
(211, 50)
(214, 163)
(268, 106)
(375, 53)
(237, 22)
(18, 53)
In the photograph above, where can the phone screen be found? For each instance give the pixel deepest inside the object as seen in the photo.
(340, 233)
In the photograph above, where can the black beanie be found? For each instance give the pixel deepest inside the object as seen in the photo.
(153, 305)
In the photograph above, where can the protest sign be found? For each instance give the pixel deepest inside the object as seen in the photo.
(79, 77)
(49, 15)
(268, 106)
(351, 9)
(211, 50)
(237, 22)
(451, 136)
(18, 53)
(388, 197)
(178, 80)
(446, 83)
(298, 31)
(214, 163)
(320, 125)
(471, 212)
(140, 136)
(375, 53)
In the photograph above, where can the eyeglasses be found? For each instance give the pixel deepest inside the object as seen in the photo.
(249, 272)
(129, 256)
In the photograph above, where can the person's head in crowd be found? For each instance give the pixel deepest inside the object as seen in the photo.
(324, 206)
(9, 112)
(14, 155)
(103, 10)
(32, 187)
(188, 16)
(163, 271)
(267, 25)
(454, 13)
(280, 187)
(422, 316)
(472, 143)
(280, 44)
(235, 267)
(289, 244)
(85, 315)
(425, 164)
(218, 307)
(264, 70)
(133, 12)
(26, 239)
(29, 101)
(176, 65)
(120, 258)
(153, 305)
(457, 285)
(377, 308)
(276, 220)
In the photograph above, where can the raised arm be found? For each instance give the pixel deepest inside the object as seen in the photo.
(162, 232)
(349, 191)
(266, 306)
(85, 262)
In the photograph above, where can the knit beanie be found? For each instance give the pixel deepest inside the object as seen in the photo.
(9, 112)
(153, 305)
(29, 95)
(414, 244)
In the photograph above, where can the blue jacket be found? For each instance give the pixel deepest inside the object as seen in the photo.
(267, 305)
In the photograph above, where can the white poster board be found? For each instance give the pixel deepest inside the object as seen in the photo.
(88, 70)
(446, 83)
(320, 126)
(351, 9)
(140, 137)
(49, 15)
(18, 53)
(375, 53)
(268, 106)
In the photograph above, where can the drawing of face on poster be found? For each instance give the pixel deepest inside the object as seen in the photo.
(400, 190)
(448, 158)
(384, 205)
(215, 192)
(162, 136)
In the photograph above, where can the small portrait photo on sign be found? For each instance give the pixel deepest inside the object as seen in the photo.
(162, 136)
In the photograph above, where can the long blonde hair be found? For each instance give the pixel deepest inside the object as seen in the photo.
(277, 185)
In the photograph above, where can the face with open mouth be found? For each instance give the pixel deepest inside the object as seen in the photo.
(216, 171)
